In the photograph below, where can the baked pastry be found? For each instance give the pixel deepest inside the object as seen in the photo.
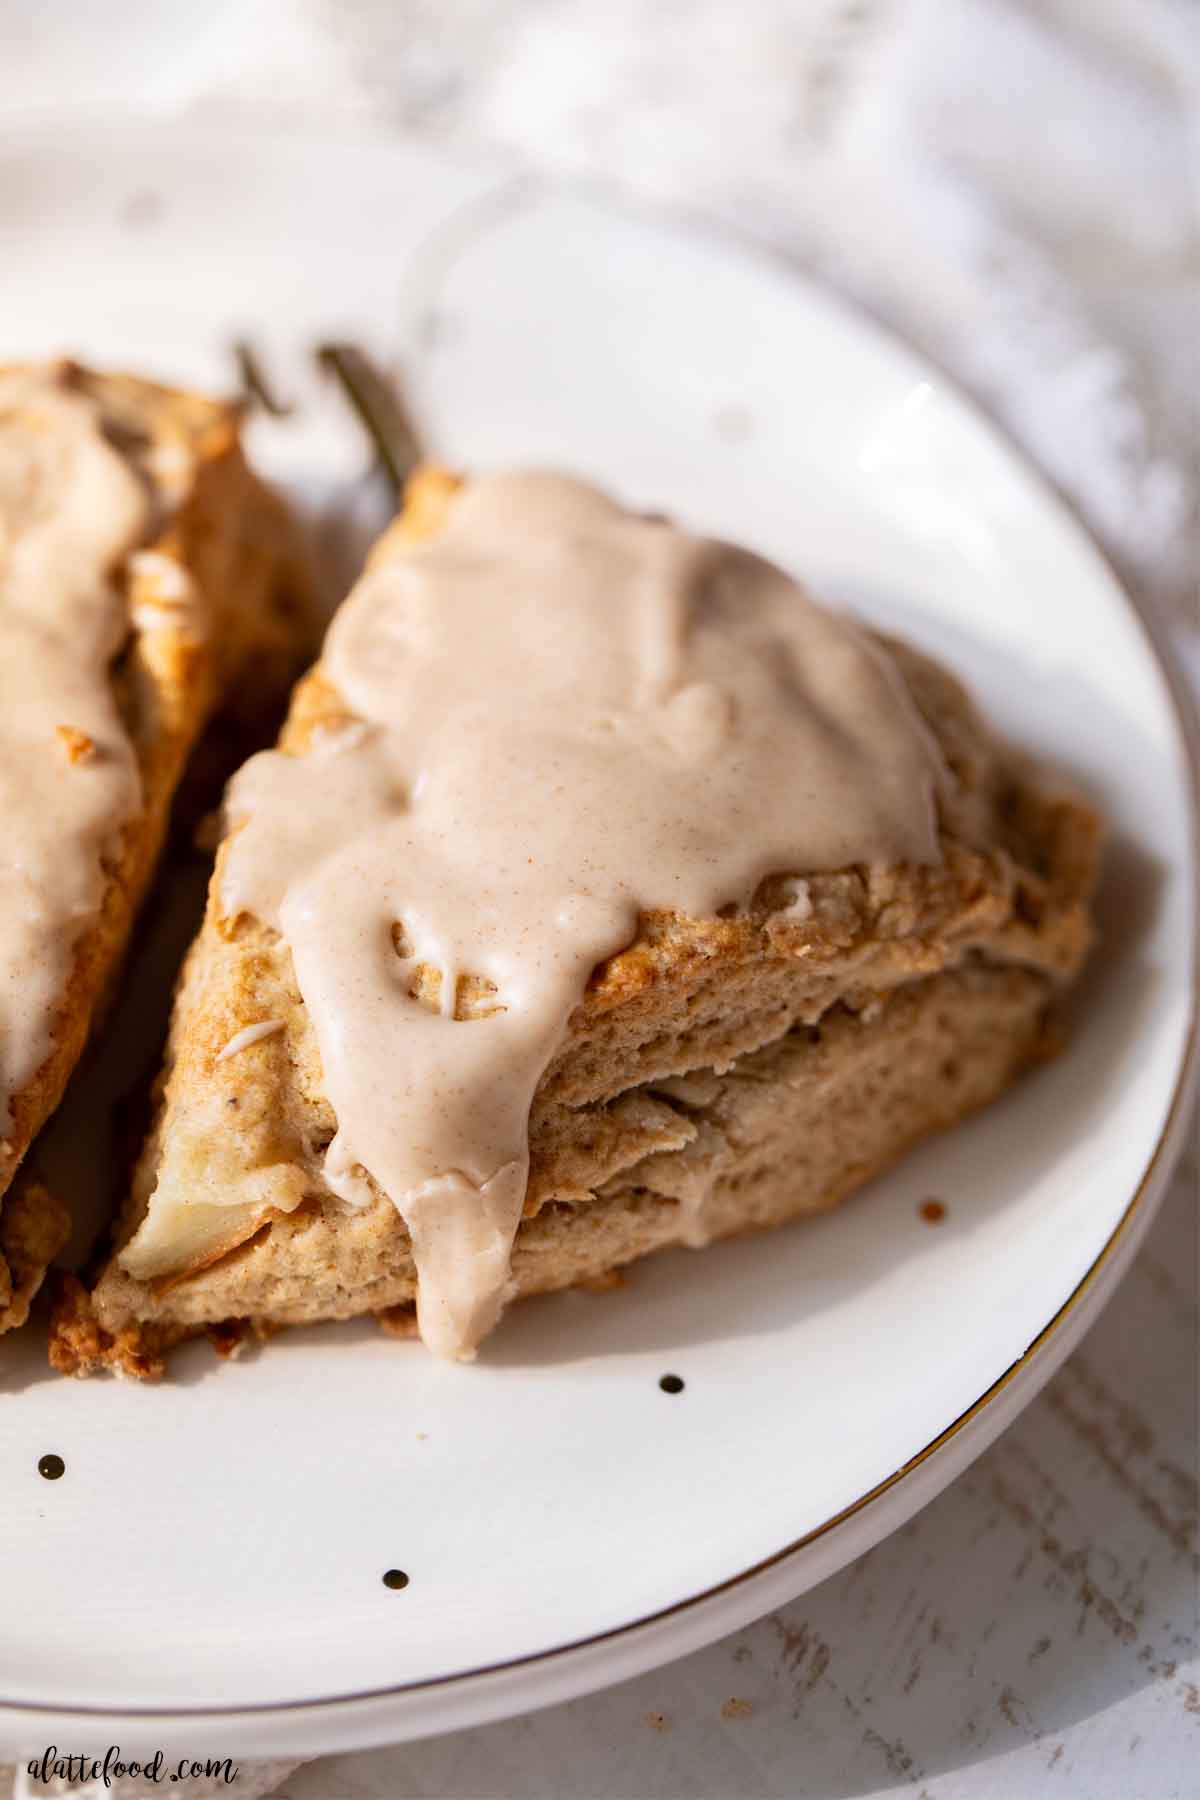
(605, 893)
(145, 573)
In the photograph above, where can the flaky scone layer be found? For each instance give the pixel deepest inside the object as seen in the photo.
(948, 970)
(226, 542)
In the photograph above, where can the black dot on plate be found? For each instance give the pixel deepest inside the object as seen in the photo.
(51, 1467)
(395, 1578)
(671, 1384)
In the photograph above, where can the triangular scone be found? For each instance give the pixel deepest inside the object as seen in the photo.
(145, 574)
(718, 1074)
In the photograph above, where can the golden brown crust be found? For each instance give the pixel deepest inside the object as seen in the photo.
(80, 1346)
(34, 1226)
(971, 952)
(791, 1132)
(240, 638)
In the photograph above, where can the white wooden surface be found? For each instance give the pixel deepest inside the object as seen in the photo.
(1033, 1632)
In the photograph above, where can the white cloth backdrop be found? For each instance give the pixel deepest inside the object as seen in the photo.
(1012, 185)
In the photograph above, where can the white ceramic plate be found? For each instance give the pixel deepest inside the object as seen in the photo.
(208, 1572)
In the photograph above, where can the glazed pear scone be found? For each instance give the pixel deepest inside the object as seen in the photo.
(144, 573)
(605, 893)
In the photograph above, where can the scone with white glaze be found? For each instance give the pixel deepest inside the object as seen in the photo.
(145, 573)
(605, 893)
